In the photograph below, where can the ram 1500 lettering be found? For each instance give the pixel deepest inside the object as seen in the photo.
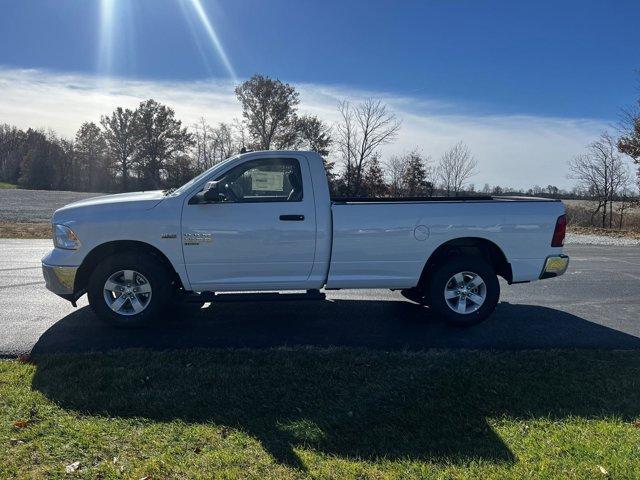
(265, 222)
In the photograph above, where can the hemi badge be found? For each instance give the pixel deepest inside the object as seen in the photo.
(196, 238)
(168, 235)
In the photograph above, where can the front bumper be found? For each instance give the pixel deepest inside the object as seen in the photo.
(59, 280)
(554, 266)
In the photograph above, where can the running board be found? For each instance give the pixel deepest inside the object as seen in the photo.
(255, 297)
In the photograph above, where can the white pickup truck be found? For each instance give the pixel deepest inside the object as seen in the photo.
(265, 222)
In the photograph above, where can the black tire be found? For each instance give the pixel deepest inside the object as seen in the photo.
(440, 278)
(153, 271)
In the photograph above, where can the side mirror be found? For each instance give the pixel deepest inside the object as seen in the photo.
(211, 193)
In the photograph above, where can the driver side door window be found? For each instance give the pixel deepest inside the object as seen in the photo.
(264, 180)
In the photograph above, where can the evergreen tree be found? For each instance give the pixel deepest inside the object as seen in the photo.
(374, 184)
(415, 179)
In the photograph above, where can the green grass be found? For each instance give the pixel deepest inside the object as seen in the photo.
(6, 186)
(312, 413)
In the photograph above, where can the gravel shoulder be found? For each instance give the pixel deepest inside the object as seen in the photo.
(579, 239)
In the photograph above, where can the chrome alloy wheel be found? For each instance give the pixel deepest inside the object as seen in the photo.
(465, 292)
(127, 292)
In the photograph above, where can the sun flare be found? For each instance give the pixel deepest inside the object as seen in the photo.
(206, 23)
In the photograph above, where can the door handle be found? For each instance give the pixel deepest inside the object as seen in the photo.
(292, 218)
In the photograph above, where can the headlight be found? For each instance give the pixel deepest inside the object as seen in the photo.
(64, 237)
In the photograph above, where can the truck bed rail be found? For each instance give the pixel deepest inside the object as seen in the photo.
(476, 198)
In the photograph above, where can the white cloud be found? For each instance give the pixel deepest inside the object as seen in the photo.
(518, 150)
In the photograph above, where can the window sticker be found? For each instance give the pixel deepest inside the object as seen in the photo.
(262, 181)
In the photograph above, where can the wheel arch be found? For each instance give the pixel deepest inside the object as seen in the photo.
(104, 250)
(491, 252)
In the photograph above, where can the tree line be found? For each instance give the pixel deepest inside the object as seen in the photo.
(149, 148)
(129, 149)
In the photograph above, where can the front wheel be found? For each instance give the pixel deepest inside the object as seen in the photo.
(464, 290)
(129, 290)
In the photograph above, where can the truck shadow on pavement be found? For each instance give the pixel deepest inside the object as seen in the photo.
(384, 324)
(383, 400)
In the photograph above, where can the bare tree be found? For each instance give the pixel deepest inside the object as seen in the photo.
(223, 143)
(362, 129)
(602, 172)
(211, 144)
(346, 141)
(202, 138)
(395, 168)
(455, 167)
(241, 136)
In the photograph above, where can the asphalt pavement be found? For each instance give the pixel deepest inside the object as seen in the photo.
(596, 304)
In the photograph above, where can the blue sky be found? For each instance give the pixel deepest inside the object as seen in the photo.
(467, 60)
(552, 58)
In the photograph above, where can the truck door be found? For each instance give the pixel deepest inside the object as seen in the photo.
(260, 232)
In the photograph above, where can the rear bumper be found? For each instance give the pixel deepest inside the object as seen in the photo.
(554, 266)
(59, 280)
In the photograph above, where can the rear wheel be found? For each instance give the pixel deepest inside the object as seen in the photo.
(129, 290)
(464, 290)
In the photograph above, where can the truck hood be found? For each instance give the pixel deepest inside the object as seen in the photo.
(122, 201)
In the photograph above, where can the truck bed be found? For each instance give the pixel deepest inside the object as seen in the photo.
(383, 241)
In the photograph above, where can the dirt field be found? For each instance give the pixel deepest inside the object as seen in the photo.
(35, 206)
(27, 213)
(579, 215)
(25, 230)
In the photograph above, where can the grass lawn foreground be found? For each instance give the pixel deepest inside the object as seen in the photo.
(321, 413)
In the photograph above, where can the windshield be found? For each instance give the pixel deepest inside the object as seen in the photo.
(197, 179)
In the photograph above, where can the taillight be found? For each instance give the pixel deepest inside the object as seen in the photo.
(559, 232)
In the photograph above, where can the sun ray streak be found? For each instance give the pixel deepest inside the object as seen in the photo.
(105, 54)
(186, 13)
(213, 36)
